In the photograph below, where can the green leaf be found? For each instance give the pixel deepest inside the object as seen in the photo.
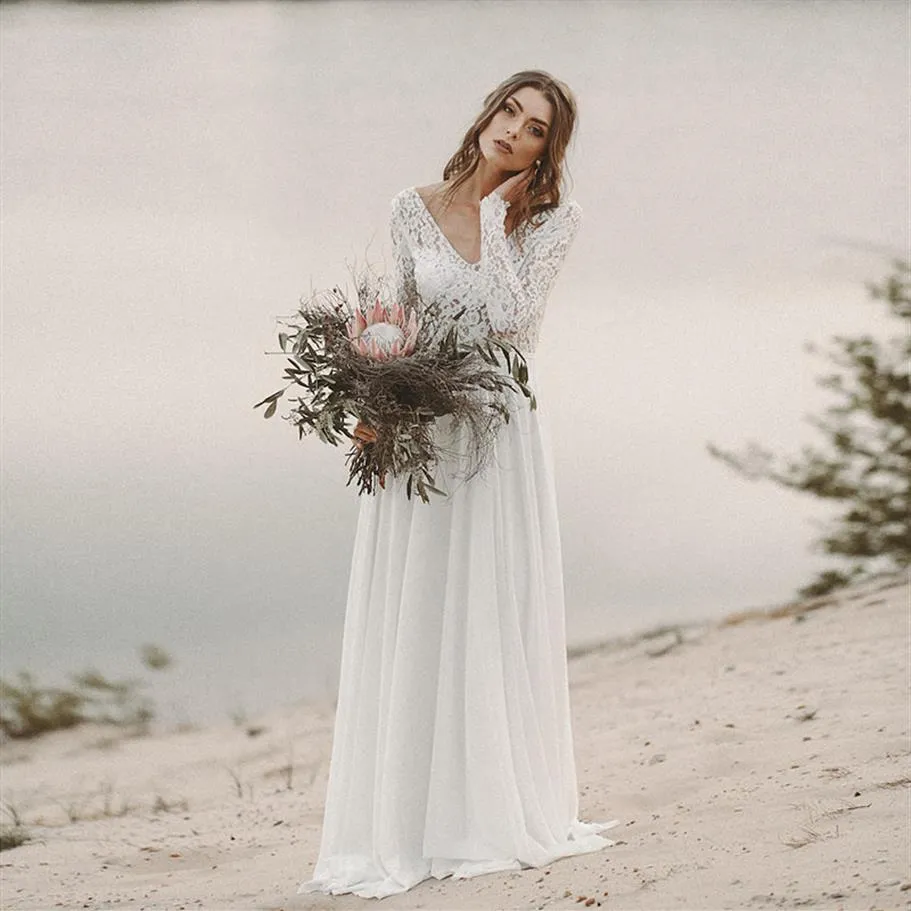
(271, 398)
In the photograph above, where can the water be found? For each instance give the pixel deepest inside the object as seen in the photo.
(176, 175)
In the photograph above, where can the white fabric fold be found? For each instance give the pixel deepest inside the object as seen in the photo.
(453, 753)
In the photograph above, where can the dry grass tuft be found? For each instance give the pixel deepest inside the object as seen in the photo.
(12, 837)
(808, 836)
(897, 783)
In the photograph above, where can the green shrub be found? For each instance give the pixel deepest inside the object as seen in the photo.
(28, 709)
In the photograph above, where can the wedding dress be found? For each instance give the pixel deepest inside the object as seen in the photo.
(452, 752)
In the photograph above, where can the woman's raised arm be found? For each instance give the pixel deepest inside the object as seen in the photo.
(516, 289)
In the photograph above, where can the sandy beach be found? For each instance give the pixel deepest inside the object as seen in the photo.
(761, 762)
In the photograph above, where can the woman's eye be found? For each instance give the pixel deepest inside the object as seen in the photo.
(507, 108)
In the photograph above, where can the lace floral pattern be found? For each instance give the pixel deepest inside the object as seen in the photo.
(506, 291)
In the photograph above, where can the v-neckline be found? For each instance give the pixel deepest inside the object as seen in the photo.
(440, 231)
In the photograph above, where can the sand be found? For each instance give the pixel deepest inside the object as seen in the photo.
(762, 762)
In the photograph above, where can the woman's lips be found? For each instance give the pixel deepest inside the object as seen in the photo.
(503, 146)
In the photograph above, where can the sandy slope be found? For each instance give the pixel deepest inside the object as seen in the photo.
(757, 764)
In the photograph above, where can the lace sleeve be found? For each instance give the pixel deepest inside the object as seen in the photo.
(516, 288)
(404, 287)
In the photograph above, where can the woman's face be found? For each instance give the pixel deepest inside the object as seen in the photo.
(517, 135)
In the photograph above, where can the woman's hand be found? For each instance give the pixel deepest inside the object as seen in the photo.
(513, 187)
(363, 434)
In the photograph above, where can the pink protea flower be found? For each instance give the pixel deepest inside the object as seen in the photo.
(383, 332)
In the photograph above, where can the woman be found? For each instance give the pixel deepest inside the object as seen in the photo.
(452, 752)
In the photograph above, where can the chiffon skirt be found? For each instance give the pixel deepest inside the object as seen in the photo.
(452, 752)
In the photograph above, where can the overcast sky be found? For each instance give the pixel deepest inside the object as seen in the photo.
(176, 175)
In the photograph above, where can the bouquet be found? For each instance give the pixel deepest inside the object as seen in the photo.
(398, 369)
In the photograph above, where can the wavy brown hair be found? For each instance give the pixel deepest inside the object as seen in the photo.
(544, 190)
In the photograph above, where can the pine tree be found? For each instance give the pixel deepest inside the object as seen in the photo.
(865, 465)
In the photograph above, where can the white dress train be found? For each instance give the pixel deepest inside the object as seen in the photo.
(452, 753)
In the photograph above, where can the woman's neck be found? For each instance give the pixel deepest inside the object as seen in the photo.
(482, 182)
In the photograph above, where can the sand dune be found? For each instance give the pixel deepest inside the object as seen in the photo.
(758, 763)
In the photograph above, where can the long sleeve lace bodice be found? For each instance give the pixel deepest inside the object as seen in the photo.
(505, 292)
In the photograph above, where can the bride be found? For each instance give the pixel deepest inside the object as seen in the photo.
(452, 753)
